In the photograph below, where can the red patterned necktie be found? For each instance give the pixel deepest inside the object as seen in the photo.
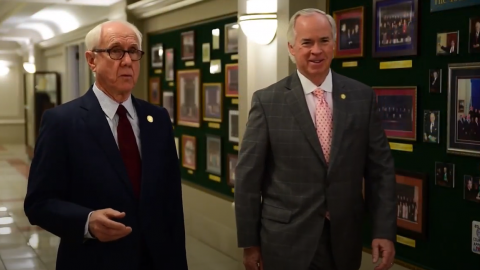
(129, 149)
(323, 120)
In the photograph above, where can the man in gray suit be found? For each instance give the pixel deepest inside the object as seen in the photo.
(298, 193)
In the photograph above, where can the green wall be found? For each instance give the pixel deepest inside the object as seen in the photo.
(203, 34)
(449, 216)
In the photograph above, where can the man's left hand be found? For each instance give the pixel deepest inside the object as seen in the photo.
(383, 248)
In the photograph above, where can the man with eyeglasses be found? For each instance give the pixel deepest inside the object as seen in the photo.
(105, 175)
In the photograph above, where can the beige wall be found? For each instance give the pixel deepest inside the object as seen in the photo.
(12, 129)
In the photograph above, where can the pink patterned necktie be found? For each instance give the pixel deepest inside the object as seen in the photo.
(323, 120)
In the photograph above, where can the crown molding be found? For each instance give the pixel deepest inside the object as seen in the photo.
(77, 34)
(145, 9)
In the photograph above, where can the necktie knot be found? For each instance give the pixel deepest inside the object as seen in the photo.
(121, 111)
(318, 93)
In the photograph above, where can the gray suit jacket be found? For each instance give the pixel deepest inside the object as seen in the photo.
(284, 187)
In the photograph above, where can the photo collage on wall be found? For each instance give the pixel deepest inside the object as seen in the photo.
(395, 33)
(201, 98)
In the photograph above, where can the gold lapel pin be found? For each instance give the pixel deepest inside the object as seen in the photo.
(150, 119)
(343, 96)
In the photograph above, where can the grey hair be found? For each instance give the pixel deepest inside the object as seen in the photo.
(92, 39)
(307, 12)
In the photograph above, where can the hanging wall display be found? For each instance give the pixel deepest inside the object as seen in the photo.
(199, 88)
(154, 91)
(214, 154)
(395, 28)
(169, 65)
(448, 43)
(157, 56)
(231, 37)
(398, 111)
(188, 97)
(463, 122)
(188, 45)
(212, 102)
(231, 80)
(349, 32)
(411, 204)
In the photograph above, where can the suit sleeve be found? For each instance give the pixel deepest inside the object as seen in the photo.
(249, 176)
(380, 183)
(176, 224)
(46, 202)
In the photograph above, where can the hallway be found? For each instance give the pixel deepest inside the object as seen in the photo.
(26, 247)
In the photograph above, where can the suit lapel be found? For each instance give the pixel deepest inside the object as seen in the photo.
(340, 106)
(295, 98)
(96, 120)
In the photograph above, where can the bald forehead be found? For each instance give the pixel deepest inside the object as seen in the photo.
(115, 33)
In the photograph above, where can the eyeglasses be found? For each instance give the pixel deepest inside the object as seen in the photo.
(118, 53)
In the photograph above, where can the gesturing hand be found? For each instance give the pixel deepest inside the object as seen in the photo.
(102, 227)
(384, 249)
(252, 258)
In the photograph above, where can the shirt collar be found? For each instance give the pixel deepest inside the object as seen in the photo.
(309, 87)
(110, 106)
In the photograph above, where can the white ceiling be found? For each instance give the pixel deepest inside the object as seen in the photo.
(27, 22)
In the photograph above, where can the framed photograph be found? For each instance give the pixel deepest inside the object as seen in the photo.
(188, 45)
(233, 126)
(176, 145)
(474, 34)
(188, 97)
(471, 188)
(461, 106)
(231, 38)
(154, 91)
(157, 56)
(212, 102)
(431, 126)
(445, 174)
(206, 52)
(189, 152)
(411, 204)
(398, 111)
(231, 80)
(463, 123)
(435, 81)
(169, 65)
(215, 66)
(215, 39)
(350, 32)
(231, 165)
(169, 104)
(214, 155)
(395, 28)
(447, 43)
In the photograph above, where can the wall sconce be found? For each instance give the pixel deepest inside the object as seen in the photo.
(29, 67)
(259, 27)
(4, 70)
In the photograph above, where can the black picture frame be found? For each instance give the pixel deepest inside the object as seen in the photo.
(412, 226)
(387, 33)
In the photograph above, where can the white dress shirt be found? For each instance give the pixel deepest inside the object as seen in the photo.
(109, 107)
(309, 87)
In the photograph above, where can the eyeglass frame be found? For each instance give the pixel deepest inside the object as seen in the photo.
(123, 55)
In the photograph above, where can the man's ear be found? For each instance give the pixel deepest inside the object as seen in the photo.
(90, 57)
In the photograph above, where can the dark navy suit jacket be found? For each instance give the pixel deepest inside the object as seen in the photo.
(77, 168)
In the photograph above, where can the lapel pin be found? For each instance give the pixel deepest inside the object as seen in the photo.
(150, 119)
(343, 96)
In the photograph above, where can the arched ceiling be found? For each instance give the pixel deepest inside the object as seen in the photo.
(27, 22)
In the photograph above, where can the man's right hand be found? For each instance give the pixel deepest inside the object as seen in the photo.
(103, 228)
(252, 258)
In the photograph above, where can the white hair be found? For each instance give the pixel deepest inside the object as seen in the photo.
(307, 12)
(92, 39)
